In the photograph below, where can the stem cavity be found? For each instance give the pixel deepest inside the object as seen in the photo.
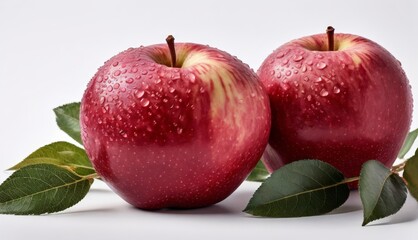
(170, 43)
(330, 34)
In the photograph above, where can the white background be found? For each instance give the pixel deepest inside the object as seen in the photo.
(49, 50)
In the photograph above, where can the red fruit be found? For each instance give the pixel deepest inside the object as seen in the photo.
(179, 137)
(343, 107)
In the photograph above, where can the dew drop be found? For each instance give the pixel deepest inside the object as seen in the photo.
(324, 93)
(297, 58)
(309, 62)
(285, 61)
(306, 78)
(117, 73)
(115, 63)
(201, 90)
(304, 68)
(102, 99)
(116, 86)
(144, 102)
(319, 79)
(152, 69)
(272, 72)
(336, 90)
(280, 55)
(288, 73)
(191, 77)
(134, 69)
(99, 79)
(319, 56)
(158, 80)
(165, 100)
(295, 71)
(139, 93)
(285, 87)
(279, 74)
(253, 94)
(109, 88)
(309, 98)
(321, 65)
(179, 130)
(144, 72)
(129, 80)
(171, 89)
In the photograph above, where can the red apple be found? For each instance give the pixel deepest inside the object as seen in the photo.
(174, 137)
(343, 104)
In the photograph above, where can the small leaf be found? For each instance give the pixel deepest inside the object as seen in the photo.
(68, 120)
(382, 192)
(259, 173)
(302, 188)
(60, 153)
(41, 188)
(409, 141)
(411, 175)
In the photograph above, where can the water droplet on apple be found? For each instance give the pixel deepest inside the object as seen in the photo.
(149, 129)
(116, 85)
(288, 73)
(165, 100)
(144, 102)
(99, 121)
(191, 77)
(119, 117)
(309, 62)
(117, 73)
(306, 78)
(319, 79)
(179, 130)
(102, 99)
(319, 56)
(253, 94)
(157, 81)
(285, 61)
(115, 63)
(129, 80)
(201, 90)
(297, 58)
(309, 98)
(279, 55)
(123, 89)
(171, 89)
(139, 93)
(279, 74)
(321, 65)
(304, 68)
(336, 90)
(109, 88)
(295, 71)
(285, 86)
(134, 69)
(324, 93)
(99, 79)
(144, 72)
(272, 72)
(152, 69)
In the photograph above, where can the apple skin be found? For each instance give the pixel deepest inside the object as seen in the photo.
(343, 107)
(184, 137)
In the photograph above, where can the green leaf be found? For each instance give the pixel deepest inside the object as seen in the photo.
(411, 175)
(382, 192)
(62, 154)
(409, 141)
(68, 120)
(302, 188)
(259, 173)
(41, 188)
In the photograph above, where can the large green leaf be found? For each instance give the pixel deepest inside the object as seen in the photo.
(302, 188)
(259, 173)
(41, 188)
(59, 153)
(411, 175)
(68, 120)
(382, 192)
(409, 141)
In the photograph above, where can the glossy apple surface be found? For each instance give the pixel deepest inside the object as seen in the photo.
(344, 107)
(174, 137)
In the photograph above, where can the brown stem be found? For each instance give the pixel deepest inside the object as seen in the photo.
(330, 34)
(170, 43)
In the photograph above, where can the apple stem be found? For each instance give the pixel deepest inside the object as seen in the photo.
(170, 43)
(330, 34)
